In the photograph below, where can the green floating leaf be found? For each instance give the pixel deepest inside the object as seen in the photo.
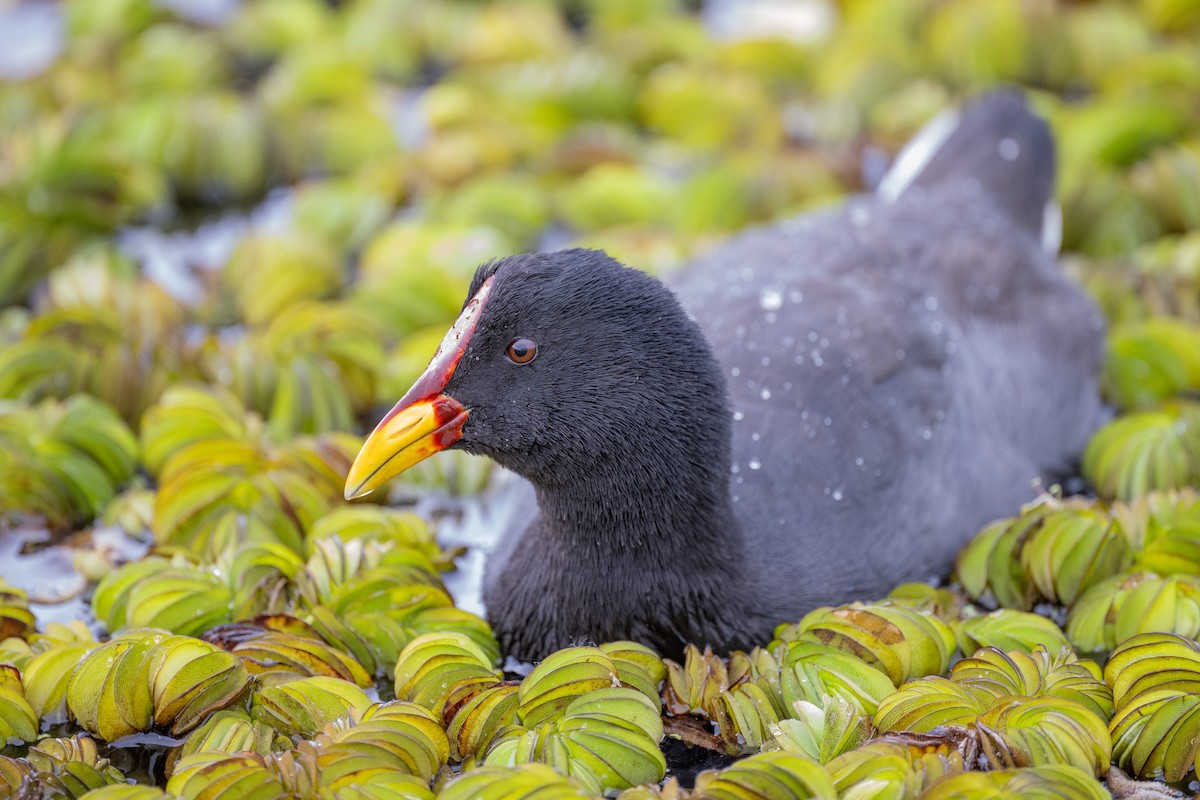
(1042, 731)
(399, 737)
(63, 461)
(512, 204)
(127, 791)
(1151, 362)
(1155, 678)
(1146, 450)
(822, 732)
(607, 738)
(221, 485)
(18, 722)
(1057, 782)
(15, 775)
(302, 706)
(1122, 607)
(612, 195)
(637, 666)
(901, 642)
(766, 776)
(441, 670)
(1008, 629)
(560, 678)
(1054, 552)
(144, 679)
(892, 767)
(72, 767)
(176, 598)
(1164, 528)
(990, 563)
(267, 274)
(1073, 549)
(281, 648)
(810, 671)
(16, 620)
(230, 731)
(480, 719)
(999, 674)
(514, 783)
(213, 775)
(48, 674)
(105, 331)
(922, 705)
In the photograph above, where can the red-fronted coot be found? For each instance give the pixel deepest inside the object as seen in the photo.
(814, 412)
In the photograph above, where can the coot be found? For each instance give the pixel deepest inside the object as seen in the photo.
(813, 412)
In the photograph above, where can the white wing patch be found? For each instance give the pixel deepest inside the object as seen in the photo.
(915, 155)
(1052, 228)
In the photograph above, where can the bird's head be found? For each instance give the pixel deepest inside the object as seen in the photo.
(557, 362)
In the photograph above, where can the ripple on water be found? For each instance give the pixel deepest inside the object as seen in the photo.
(31, 37)
(476, 523)
(32, 560)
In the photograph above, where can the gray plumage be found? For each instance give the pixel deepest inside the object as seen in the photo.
(897, 371)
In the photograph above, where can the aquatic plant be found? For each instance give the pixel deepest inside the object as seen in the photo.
(267, 274)
(48, 671)
(1038, 783)
(263, 492)
(1009, 629)
(1164, 528)
(1124, 606)
(413, 275)
(755, 698)
(419, 140)
(308, 369)
(511, 783)
(167, 594)
(394, 747)
(64, 185)
(571, 711)
(231, 730)
(279, 648)
(15, 618)
(18, 721)
(607, 738)
(302, 706)
(62, 461)
(1147, 450)
(102, 330)
(1052, 552)
(479, 719)
(150, 678)
(901, 642)
(766, 775)
(437, 670)
(71, 767)
(1151, 362)
(896, 766)
(1156, 691)
(1018, 709)
(347, 212)
(822, 732)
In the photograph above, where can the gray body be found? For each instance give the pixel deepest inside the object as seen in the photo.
(928, 363)
(899, 370)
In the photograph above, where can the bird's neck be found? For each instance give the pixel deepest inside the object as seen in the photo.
(664, 520)
(653, 560)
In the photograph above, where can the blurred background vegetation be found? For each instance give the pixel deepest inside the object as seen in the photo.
(232, 232)
(285, 198)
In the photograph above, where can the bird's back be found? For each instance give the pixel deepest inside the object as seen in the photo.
(900, 368)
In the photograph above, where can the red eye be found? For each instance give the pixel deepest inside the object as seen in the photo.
(522, 351)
